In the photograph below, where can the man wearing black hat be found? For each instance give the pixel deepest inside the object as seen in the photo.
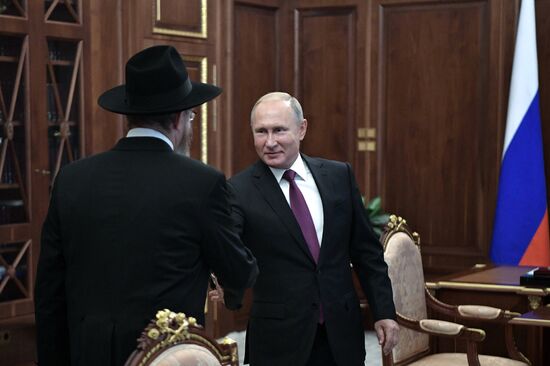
(136, 229)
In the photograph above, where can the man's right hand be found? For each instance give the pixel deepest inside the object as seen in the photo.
(217, 293)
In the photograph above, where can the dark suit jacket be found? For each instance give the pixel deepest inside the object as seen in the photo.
(290, 287)
(129, 232)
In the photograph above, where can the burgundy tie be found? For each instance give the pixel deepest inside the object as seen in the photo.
(299, 207)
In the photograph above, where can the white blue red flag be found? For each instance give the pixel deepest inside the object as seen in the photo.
(520, 233)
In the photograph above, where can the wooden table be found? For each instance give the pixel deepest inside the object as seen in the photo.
(497, 286)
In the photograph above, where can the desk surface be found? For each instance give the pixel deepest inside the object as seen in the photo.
(502, 275)
(539, 317)
(489, 278)
(499, 286)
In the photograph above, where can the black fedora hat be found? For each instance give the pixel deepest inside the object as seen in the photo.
(156, 83)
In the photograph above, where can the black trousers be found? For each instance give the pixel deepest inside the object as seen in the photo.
(321, 355)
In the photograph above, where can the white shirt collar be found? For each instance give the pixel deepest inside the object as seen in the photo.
(298, 166)
(149, 132)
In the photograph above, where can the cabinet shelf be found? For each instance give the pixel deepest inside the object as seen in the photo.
(4, 58)
(62, 62)
(15, 124)
(62, 1)
(6, 186)
(56, 124)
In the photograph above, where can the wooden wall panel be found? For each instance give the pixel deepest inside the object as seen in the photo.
(254, 72)
(197, 67)
(192, 27)
(180, 18)
(104, 72)
(433, 114)
(542, 8)
(326, 80)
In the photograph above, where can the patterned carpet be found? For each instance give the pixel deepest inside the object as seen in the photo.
(374, 357)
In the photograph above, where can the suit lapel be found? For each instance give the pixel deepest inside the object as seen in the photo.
(272, 193)
(325, 187)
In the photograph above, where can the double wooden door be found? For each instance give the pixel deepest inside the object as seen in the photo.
(412, 92)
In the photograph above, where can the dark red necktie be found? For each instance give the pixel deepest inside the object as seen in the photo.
(299, 207)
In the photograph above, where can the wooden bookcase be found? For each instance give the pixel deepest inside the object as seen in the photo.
(56, 58)
(42, 119)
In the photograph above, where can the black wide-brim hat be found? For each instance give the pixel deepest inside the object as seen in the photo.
(156, 83)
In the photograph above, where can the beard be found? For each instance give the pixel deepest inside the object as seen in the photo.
(184, 147)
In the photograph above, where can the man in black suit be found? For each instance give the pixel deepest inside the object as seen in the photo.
(304, 221)
(136, 229)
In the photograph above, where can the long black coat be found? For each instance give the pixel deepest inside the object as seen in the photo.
(129, 232)
(290, 287)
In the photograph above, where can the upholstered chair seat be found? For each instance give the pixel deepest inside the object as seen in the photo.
(460, 359)
(412, 300)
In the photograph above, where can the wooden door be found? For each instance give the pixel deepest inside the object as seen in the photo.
(192, 27)
(328, 68)
(314, 50)
(254, 48)
(440, 75)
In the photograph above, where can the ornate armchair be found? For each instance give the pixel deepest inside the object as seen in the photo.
(402, 254)
(172, 339)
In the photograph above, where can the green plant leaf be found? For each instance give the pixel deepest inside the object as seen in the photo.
(377, 217)
(380, 220)
(374, 206)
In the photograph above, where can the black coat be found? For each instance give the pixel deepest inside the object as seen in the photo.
(129, 232)
(290, 287)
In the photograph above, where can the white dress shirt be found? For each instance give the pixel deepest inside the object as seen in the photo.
(304, 180)
(149, 132)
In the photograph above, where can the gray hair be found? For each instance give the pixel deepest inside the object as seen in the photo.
(285, 97)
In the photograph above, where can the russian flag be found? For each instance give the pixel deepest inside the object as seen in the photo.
(520, 233)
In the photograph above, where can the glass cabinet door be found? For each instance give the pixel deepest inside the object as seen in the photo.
(14, 208)
(64, 106)
(41, 117)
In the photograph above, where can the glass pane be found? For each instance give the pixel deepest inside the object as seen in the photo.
(16, 8)
(64, 11)
(13, 162)
(10, 47)
(14, 289)
(62, 58)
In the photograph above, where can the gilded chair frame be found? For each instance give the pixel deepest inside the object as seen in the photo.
(471, 336)
(171, 329)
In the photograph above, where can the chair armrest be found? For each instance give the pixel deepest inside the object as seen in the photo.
(481, 313)
(442, 328)
(476, 312)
